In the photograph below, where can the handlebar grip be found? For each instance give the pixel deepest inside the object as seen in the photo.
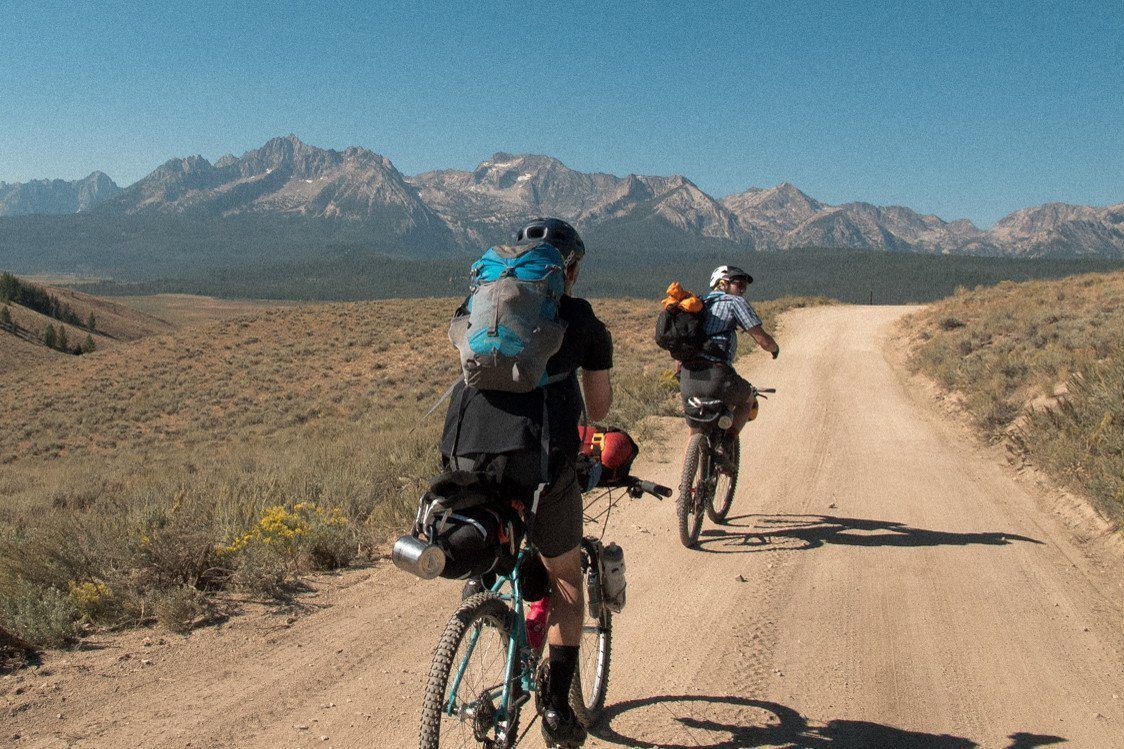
(654, 489)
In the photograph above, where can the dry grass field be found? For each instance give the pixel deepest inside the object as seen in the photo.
(188, 309)
(139, 482)
(1040, 363)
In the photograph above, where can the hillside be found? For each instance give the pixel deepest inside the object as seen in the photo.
(881, 583)
(1039, 365)
(22, 341)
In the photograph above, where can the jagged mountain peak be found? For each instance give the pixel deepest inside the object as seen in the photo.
(56, 196)
(466, 208)
(502, 162)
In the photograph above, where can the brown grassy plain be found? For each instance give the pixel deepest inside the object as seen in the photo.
(139, 482)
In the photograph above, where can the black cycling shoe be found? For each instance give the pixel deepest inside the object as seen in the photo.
(560, 728)
(724, 453)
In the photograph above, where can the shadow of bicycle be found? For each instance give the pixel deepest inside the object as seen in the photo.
(803, 532)
(710, 722)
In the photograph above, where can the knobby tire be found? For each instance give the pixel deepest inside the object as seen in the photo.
(488, 610)
(719, 505)
(688, 506)
(591, 679)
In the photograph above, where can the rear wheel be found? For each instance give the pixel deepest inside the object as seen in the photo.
(726, 473)
(693, 486)
(591, 679)
(462, 695)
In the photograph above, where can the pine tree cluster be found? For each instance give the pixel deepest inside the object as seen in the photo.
(37, 298)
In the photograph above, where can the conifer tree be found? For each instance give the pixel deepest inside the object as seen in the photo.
(61, 343)
(50, 338)
(88, 346)
(5, 318)
(91, 322)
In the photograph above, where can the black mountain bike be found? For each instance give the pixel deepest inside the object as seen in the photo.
(710, 467)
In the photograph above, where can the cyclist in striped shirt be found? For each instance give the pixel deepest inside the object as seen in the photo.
(714, 376)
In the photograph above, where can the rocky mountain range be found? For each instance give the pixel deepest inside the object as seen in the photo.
(55, 196)
(452, 209)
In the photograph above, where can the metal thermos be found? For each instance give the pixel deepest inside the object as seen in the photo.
(417, 557)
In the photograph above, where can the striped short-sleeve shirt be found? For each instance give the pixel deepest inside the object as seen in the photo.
(725, 313)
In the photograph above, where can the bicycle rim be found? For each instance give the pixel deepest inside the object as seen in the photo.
(692, 491)
(719, 505)
(466, 679)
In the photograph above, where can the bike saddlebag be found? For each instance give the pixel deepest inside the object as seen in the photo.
(477, 531)
(703, 410)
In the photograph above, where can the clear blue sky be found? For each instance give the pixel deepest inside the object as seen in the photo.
(964, 109)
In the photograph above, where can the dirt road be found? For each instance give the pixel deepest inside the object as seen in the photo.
(882, 583)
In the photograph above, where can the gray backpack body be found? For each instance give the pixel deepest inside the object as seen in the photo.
(509, 326)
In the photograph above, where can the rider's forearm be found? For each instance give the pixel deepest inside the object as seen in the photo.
(765, 341)
(598, 390)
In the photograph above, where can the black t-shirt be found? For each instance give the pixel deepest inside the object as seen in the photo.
(493, 422)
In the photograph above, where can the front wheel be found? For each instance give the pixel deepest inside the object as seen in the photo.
(726, 471)
(462, 703)
(591, 678)
(693, 486)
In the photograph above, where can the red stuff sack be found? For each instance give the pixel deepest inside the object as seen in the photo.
(612, 448)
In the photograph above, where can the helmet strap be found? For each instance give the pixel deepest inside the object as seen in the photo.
(571, 273)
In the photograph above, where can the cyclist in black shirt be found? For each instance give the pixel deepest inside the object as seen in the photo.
(483, 424)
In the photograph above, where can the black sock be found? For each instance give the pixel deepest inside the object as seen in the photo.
(563, 663)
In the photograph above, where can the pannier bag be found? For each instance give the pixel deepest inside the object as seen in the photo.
(704, 412)
(610, 451)
(462, 530)
(509, 327)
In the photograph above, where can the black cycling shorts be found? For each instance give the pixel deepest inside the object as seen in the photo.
(559, 520)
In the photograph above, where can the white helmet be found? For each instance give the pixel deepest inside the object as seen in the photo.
(728, 273)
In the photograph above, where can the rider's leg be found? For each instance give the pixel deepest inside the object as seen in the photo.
(566, 599)
(738, 394)
(567, 609)
(558, 533)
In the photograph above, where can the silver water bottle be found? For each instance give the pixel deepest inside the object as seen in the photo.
(613, 583)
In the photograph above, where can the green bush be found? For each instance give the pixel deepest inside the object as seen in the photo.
(178, 608)
(44, 617)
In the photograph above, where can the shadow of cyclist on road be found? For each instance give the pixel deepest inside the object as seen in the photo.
(802, 532)
(710, 722)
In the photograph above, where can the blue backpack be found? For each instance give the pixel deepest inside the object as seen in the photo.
(508, 327)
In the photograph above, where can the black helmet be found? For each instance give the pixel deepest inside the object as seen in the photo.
(556, 232)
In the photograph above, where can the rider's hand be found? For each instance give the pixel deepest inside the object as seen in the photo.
(777, 352)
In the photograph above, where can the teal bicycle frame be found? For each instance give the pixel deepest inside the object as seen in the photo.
(520, 655)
